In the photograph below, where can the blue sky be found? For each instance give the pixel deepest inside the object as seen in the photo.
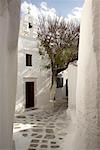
(62, 7)
(69, 9)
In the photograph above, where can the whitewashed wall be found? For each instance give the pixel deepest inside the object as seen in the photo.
(72, 79)
(61, 92)
(87, 135)
(9, 28)
(69, 74)
(28, 44)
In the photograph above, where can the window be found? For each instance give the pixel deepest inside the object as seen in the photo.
(30, 25)
(59, 82)
(28, 60)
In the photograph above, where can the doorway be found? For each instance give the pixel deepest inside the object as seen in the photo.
(67, 91)
(67, 87)
(29, 94)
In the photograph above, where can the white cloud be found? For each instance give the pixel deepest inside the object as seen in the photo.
(44, 10)
(35, 11)
(44, 6)
(76, 13)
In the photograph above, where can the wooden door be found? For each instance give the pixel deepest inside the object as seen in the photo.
(29, 94)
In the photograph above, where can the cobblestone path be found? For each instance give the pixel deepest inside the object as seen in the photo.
(41, 129)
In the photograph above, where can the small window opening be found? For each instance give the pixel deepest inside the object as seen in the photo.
(28, 60)
(30, 25)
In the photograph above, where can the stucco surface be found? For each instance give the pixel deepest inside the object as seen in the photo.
(72, 80)
(70, 74)
(9, 27)
(28, 44)
(87, 135)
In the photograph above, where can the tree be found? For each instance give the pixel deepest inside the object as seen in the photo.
(59, 40)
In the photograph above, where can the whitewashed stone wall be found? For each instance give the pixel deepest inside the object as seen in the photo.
(9, 28)
(61, 92)
(69, 74)
(87, 135)
(28, 44)
(72, 80)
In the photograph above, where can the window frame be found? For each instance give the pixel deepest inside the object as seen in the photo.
(29, 60)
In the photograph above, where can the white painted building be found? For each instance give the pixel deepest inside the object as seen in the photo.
(85, 134)
(9, 27)
(72, 81)
(68, 88)
(33, 83)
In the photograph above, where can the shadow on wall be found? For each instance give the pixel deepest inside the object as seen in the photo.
(62, 87)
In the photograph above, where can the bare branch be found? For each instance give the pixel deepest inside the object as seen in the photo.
(59, 39)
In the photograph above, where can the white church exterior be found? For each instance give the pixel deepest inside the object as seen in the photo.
(33, 81)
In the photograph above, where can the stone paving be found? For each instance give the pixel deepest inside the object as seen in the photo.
(41, 129)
